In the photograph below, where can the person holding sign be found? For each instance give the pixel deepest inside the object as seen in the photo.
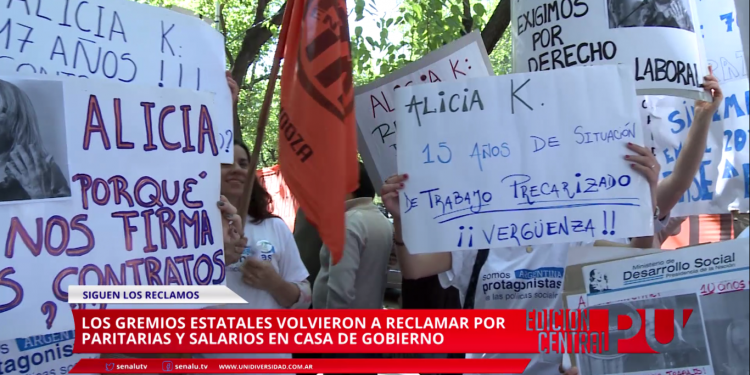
(532, 277)
(500, 275)
(672, 188)
(27, 171)
(268, 272)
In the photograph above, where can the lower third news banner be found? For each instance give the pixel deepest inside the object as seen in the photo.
(518, 334)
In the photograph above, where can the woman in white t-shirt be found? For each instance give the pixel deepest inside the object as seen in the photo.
(267, 272)
(525, 277)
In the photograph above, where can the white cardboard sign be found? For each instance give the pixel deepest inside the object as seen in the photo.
(120, 41)
(658, 39)
(88, 198)
(375, 103)
(721, 184)
(522, 159)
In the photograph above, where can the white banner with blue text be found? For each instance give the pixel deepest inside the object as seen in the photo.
(521, 159)
(719, 267)
(722, 181)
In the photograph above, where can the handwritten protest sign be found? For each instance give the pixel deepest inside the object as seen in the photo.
(721, 183)
(722, 40)
(120, 41)
(50, 354)
(376, 120)
(657, 38)
(103, 186)
(538, 158)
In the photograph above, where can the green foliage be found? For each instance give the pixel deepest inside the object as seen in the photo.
(401, 36)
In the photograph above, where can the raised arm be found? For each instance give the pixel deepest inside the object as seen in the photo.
(645, 163)
(689, 161)
(413, 266)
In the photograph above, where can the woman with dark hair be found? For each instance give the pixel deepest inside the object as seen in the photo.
(737, 348)
(268, 272)
(27, 171)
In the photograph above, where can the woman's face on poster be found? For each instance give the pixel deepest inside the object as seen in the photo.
(740, 340)
(6, 135)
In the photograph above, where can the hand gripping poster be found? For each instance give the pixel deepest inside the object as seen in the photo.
(722, 182)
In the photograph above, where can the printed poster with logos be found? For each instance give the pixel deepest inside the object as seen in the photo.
(376, 105)
(50, 354)
(712, 280)
(120, 41)
(722, 183)
(103, 186)
(659, 39)
(518, 171)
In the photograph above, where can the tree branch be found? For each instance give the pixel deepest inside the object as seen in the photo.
(255, 38)
(223, 28)
(466, 20)
(497, 25)
(260, 11)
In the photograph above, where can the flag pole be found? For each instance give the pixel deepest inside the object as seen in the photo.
(263, 115)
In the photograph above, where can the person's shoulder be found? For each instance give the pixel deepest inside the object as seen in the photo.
(272, 224)
(277, 223)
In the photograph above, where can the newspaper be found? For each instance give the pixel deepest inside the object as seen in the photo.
(712, 280)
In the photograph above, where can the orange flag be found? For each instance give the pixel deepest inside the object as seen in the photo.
(317, 139)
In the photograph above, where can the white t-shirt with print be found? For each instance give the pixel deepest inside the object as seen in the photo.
(525, 277)
(271, 241)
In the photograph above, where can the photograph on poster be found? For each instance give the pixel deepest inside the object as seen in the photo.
(33, 153)
(599, 282)
(726, 319)
(688, 349)
(650, 13)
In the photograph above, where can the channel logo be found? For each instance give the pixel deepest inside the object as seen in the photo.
(663, 327)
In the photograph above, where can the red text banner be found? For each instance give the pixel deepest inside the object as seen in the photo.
(312, 366)
(341, 331)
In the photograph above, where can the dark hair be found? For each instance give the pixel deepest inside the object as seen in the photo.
(365, 189)
(261, 202)
(18, 123)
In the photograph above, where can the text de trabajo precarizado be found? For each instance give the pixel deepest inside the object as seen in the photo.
(314, 323)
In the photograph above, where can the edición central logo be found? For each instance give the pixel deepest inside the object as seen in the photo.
(663, 326)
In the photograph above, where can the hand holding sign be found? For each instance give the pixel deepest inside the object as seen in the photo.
(712, 87)
(645, 163)
(389, 194)
(233, 87)
(231, 224)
